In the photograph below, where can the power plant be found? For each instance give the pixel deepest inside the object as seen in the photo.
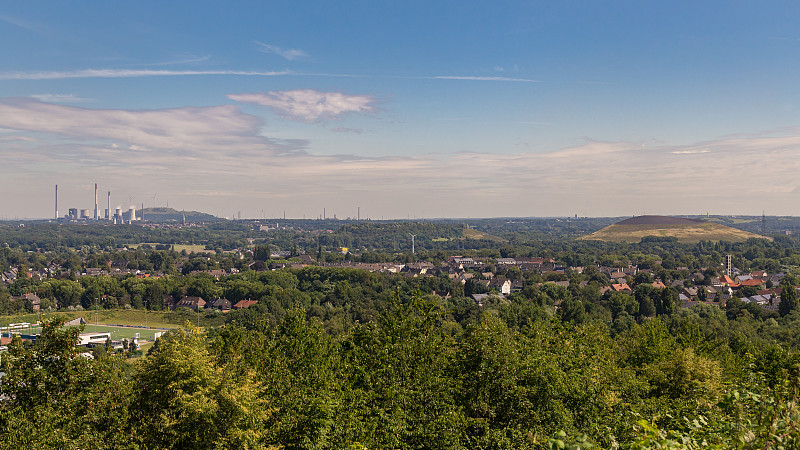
(86, 214)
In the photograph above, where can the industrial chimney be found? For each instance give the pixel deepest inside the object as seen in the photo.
(96, 211)
(56, 202)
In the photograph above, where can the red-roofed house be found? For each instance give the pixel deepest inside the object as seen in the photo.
(755, 282)
(622, 287)
(244, 304)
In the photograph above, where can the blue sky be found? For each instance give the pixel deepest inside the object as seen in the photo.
(406, 109)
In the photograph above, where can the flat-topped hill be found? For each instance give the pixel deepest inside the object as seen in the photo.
(659, 220)
(684, 230)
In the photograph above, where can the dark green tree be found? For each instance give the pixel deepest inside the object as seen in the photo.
(789, 300)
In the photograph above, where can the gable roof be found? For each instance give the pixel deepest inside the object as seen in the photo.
(244, 304)
(621, 287)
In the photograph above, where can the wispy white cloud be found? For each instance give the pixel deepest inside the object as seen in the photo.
(24, 24)
(60, 98)
(290, 54)
(184, 59)
(309, 105)
(471, 78)
(127, 73)
(347, 130)
(138, 73)
(692, 151)
(17, 138)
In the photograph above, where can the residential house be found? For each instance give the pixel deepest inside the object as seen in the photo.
(220, 303)
(306, 259)
(194, 303)
(33, 299)
(689, 292)
(244, 304)
(502, 284)
(760, 274)
(622, 287)
(170, 301)
(481, 298)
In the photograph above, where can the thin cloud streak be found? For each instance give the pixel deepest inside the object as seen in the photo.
(289, 54)
(125, 73)
(60, 98)
(22, 23)
(137, 73)
(471, 78)
(191, 59)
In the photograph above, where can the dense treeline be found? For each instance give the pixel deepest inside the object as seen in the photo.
(45, 236)
(405, 381)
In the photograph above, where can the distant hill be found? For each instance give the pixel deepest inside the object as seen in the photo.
(172, 215)
(684, 230)
(659, 220)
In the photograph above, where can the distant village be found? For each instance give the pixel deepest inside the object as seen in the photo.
(489, 277)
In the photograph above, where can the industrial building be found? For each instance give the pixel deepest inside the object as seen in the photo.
(87, 214)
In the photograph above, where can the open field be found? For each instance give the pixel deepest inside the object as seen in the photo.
(684, 233)
(472, 233)
(129, 317)
(117, 333)
(197, 248)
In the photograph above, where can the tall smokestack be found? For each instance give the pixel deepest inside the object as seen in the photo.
(108, 210)
(56, 202)
(96, 212)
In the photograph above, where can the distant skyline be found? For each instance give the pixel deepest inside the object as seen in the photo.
(404, 109)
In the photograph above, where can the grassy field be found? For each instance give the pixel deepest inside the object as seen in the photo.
(117, 333)
(135, 317)
(472, 233)
(684, 233)
(197, 248)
